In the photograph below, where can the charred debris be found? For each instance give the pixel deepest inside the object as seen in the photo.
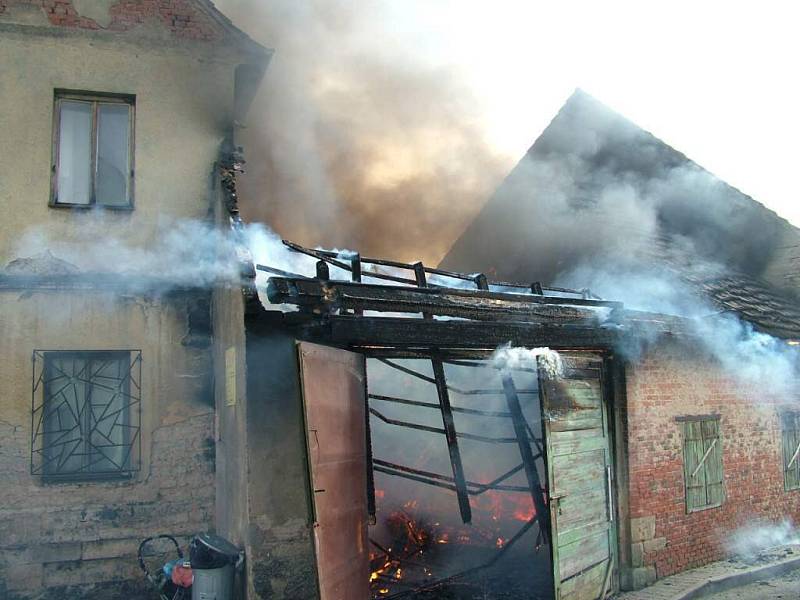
(387, 308)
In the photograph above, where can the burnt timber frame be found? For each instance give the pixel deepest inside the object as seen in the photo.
(459, 325)
(528, 460)
(447, 414)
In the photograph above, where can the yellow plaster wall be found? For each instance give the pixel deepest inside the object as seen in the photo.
(184, 99)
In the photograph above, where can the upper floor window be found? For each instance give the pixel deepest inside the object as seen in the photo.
(93, 150)
(86, 414)
(702, 462)
(790, 434)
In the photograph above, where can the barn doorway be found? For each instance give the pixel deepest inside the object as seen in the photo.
(482, 480)
(463, 496)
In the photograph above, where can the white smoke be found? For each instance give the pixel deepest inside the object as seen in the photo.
(183, 252)
(509, 358)
(753, 357)
(749, 541)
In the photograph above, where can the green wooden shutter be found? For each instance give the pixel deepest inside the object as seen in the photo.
(791, 439)
(715, 490)
(702, 464)
(694, 477)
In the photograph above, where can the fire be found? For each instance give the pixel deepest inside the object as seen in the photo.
(410, 550)
(499, 506)
(414, 541)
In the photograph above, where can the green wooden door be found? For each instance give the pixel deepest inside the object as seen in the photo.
(579, 477)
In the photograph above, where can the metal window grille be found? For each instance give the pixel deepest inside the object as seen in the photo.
(86, 414)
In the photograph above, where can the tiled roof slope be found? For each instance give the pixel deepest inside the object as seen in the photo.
(755, 302)
(768, 308)
(784, 270)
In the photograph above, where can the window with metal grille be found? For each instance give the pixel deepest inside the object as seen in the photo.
(86, 410)
(790, 434)
(702, 462)
(92, 150)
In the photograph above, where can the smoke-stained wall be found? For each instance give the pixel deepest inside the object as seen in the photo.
(102, 280)
(79, 540)
(280, 550)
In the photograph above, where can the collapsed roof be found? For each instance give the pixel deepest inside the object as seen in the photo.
(389, 308)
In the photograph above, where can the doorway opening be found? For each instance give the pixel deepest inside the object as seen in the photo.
(457, 490)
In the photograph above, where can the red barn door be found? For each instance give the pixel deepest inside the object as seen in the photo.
(333, 383)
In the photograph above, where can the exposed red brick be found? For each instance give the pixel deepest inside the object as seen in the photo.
(181, 17)
(666, 384)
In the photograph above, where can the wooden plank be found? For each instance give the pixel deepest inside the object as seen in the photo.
(578, 472)
(581, 509)
(712, 443)
(392, 298)
(452, 441)
(526, 454)
(794, 471)
(790, 435)
(565, 424)
(589, 586)
(373, 332)
(582, 554)
(578, 533)
(573, 445)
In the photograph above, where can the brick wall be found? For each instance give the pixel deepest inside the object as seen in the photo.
(80, 541)
(671, 381)
(181, 17)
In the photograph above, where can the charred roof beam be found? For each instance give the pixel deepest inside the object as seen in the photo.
(330, 296)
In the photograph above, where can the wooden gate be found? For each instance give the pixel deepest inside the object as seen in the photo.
(334, 401)
(579, 472)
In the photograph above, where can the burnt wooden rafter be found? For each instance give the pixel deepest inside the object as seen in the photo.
(329, 296)
(453, 318)
(370, 333)
(447, 415)
(528, 460)
(340, 260)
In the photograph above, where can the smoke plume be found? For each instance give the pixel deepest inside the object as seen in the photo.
(366, 143)
(596, 190)
(749, 541)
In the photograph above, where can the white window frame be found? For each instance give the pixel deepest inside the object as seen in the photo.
(93, 98)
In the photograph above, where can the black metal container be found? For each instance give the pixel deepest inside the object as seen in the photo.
(209, 551)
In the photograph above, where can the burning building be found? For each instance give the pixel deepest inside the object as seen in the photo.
(361, 427)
